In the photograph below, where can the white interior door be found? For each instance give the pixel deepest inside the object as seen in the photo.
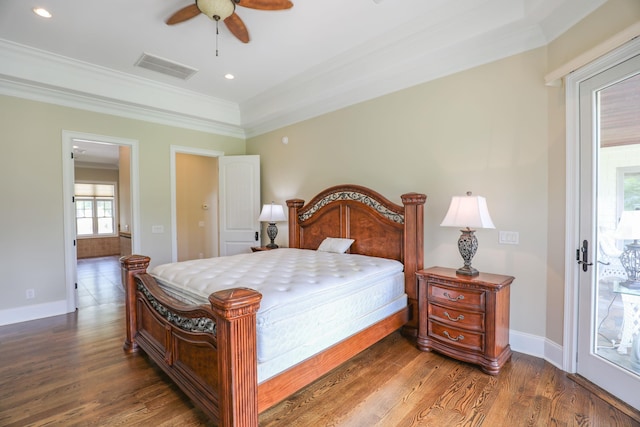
(239, 203)
(608, 297)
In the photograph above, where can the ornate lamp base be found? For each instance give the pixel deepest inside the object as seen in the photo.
(272, 232)
(467, 245)
(630, 260)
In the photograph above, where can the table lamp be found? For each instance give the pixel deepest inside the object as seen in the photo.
(272, 214)
(468, 212)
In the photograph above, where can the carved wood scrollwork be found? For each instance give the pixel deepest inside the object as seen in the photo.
(189, 324)
(357, 197)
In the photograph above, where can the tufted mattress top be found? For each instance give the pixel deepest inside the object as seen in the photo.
(306, 294)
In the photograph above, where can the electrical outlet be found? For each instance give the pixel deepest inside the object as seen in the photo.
(31, 293)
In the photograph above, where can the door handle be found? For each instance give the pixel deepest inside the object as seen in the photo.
(585, 255)
(257, 236)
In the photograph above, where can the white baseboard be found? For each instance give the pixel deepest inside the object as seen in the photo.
(537, 346)
(521, 342)
(32, 312)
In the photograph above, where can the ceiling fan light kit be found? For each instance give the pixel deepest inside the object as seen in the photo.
(218, 10)
(224, 10)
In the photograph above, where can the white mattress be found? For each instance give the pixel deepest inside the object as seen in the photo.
(310, 299)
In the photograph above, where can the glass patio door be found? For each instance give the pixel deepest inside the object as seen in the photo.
(609, 293)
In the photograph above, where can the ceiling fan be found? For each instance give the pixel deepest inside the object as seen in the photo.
(224, 10)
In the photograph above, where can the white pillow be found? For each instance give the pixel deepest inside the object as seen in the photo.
(334, 244)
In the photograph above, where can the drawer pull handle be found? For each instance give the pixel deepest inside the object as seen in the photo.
(458, 338)
(459, 297)
(460, 317)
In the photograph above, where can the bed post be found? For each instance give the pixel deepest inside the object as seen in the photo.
(413, 253)
(130, 266)
(294, 230)
(236, 331)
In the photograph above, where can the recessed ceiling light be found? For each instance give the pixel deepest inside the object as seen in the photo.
(41, 12)
(229, 76)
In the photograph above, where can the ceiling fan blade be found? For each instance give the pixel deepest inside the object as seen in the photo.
(184, 14)
(266, 4)
(237, 28)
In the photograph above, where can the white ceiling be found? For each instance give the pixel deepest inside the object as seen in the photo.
(96, 154)
(316, 57)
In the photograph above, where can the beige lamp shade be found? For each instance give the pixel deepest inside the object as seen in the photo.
(216, 9)
(468, 211)
(272, 213)
(629, 226)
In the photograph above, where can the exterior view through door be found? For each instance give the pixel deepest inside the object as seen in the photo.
(609, 251)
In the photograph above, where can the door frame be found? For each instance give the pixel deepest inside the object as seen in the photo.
(175, 150)
(68, 177)
(572, 233)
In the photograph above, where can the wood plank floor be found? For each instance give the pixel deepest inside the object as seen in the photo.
(71, 371)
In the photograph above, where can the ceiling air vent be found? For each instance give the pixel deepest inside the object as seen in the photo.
(164, 66)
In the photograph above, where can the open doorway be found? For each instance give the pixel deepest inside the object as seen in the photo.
(196, 206)
(235, 227)
(100, 188)
(194, 199)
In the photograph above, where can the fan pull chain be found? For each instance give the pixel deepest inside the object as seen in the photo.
(217, 20)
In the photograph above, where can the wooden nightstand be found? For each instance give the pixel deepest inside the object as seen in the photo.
(465, 317)
(260, 248)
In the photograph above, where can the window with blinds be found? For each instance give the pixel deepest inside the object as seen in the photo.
(95, 209)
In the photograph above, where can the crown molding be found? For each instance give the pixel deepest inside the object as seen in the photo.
(42, 76)
(361, 78)
(420, 51)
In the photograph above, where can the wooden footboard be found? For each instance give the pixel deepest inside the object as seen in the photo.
(209, 352)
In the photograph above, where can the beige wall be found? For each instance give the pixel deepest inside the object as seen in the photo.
(604, 23)
(196, 185)
(124, 189)
(31, 217)
(483, 130)
(96, 174)
(496, 130)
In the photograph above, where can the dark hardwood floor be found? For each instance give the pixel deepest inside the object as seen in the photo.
(71, 371)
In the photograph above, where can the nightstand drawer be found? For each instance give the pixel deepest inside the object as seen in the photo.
(460, 319)
(459, 297)
(454, 337)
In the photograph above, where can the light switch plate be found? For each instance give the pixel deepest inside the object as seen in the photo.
(509, 238)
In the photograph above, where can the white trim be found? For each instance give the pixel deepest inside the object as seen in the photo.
(629, 33)
(69, 225)
(175, 149)
(34, 74)
(573, 81)
(69, 215)
(33, 312)
(523, 342)
(536, 346)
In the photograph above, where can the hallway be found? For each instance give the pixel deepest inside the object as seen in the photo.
(99, 281)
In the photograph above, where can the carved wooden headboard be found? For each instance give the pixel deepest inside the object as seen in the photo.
(378, 226)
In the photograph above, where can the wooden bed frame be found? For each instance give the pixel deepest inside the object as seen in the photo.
(209, 351)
